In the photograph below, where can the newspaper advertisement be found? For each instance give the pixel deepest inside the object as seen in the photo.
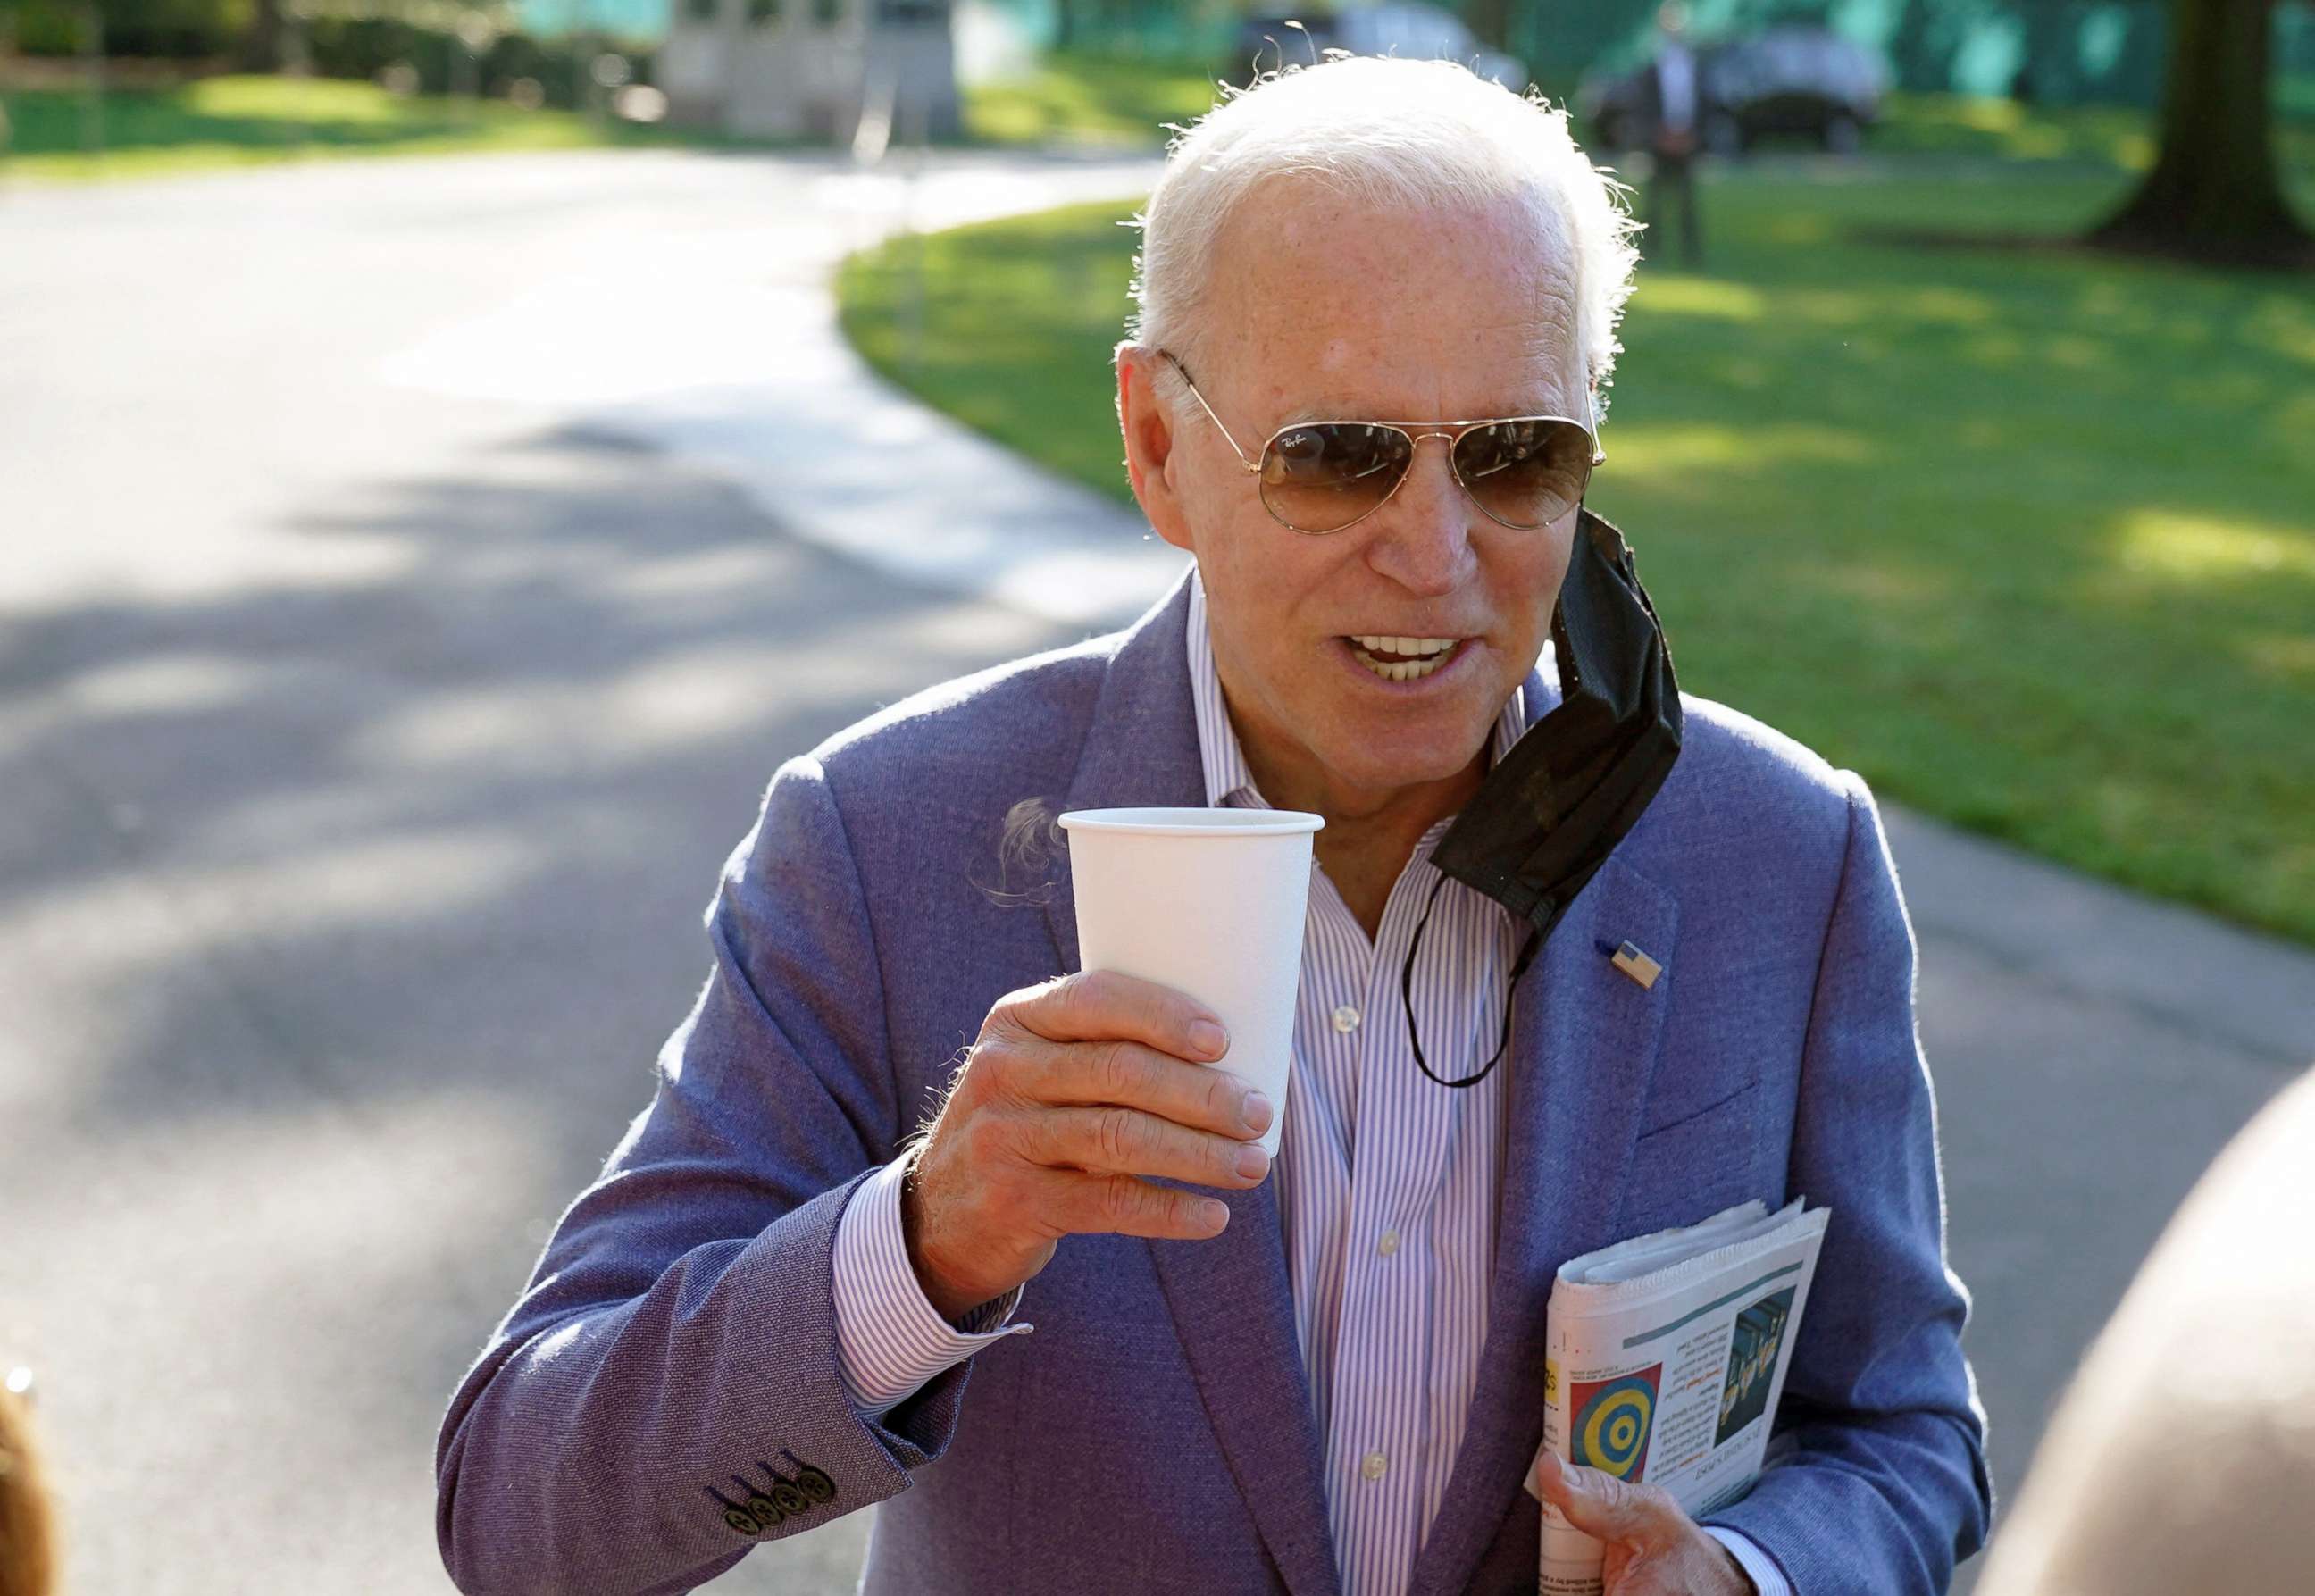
(1665, 1360)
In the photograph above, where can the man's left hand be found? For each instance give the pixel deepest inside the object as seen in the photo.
(1653, 1548)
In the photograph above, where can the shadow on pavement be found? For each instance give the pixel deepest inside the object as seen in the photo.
(325, 1023)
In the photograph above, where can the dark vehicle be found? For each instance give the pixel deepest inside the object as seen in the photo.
(1414, 31)
(1805, 83)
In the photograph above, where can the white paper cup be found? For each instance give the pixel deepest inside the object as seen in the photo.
(1210, 902)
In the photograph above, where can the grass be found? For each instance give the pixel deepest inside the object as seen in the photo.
(1122, 102)
(2113, 136)
(2026, 537)
(1102, 101)
(1090, 101)
(1098, 101)
(241, 120)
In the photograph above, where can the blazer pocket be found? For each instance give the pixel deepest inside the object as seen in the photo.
(1691, 1167)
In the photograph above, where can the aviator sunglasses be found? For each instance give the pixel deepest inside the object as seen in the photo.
(1524, 472)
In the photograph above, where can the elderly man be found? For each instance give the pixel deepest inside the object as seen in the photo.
(789, 1298)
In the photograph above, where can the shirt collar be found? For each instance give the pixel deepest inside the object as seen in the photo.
(1228, 780)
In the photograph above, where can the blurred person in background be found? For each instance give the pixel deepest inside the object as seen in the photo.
(27, 1537)
(1669, 109)
(2182, 1458)
(790, 1298)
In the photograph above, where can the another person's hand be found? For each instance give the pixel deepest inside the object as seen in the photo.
(1077, 1089)
(1653, 1548)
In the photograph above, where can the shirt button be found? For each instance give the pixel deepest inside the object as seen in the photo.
(1388, 1244)
(1346, 1018)
(1374, 1465)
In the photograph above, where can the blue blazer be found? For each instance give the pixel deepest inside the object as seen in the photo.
(665, 1393)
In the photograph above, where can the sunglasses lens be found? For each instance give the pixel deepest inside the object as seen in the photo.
(1321, 477)
(1525, 474)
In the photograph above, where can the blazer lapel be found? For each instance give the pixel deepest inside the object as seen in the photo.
(1230, 1299)
(1586, 1039)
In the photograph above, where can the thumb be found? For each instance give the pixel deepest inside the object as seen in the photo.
(1600, 1504)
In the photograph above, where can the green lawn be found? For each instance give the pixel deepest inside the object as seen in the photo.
(1089, 100)
(239, 120)
(2112, 136)
(231, 121)
(1080, 98)
(2029, 539)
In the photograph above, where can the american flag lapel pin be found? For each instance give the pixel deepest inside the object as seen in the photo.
(1637, 964)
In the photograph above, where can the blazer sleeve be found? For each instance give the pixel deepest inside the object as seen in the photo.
(1876, 1481)
(667, 1391)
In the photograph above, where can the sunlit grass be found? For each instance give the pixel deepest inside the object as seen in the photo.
(2027, 537)
(243, 120)
(322, 99)
(1123, 101)
(2175, 549)
(1092, 100)
(1955, 124)
(2118, 136)
(1702, 297)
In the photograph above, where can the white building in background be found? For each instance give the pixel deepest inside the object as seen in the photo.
(812, 68)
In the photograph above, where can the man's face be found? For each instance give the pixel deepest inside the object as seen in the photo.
(1321, 312)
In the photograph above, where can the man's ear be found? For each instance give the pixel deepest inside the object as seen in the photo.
(1150, 435)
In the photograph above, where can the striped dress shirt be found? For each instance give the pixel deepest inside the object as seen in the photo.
(1388, 1188)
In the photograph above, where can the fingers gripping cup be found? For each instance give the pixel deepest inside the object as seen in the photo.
(1210, 902)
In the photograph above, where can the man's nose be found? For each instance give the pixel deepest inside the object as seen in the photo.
(1423, 541)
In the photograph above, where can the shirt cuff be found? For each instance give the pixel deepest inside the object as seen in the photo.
(890, 1340)
(1757, 1565)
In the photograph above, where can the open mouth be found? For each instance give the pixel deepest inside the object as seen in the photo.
(1403, 659)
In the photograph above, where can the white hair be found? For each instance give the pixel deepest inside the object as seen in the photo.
(1389, 134)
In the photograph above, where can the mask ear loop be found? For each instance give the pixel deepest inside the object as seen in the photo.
(1406, 994)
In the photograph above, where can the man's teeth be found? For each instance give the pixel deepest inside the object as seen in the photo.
(1404, 645)
(1429, 654)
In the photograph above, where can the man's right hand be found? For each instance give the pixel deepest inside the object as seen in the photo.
(1076, 1090)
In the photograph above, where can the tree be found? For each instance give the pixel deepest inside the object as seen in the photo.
(1490, 21)
(2214, 194)
(260, 46)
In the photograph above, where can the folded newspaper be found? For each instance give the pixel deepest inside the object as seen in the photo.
(1665, 1357)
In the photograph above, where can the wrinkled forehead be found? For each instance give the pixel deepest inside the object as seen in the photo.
(1324, 306)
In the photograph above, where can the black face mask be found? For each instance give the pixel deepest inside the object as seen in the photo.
(1576, 781)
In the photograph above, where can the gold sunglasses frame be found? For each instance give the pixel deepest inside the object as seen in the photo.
(1414, 442)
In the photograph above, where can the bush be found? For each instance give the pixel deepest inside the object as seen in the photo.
(348, 47)
(175, 29)
(364, 47)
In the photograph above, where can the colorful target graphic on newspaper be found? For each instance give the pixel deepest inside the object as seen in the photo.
(1613, 1420)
